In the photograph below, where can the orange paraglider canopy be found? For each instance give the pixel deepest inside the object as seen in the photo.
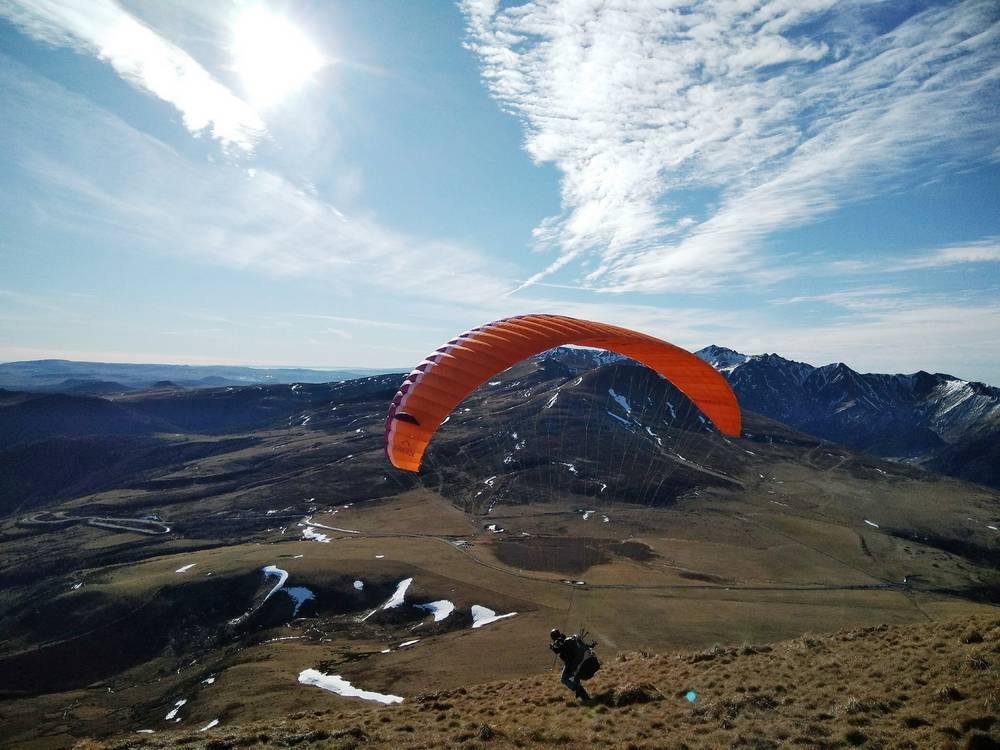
(439, 383)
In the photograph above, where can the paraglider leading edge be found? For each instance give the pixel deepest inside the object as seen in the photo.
(450, 373)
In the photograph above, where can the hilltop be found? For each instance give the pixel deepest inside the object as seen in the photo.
(911, 686)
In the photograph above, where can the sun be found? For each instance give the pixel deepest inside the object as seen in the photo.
(272, 57)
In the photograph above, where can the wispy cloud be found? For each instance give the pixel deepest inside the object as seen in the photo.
(216, 213)
(983, 251)
(31, 301)
(145, 59)
(636, 103)
(956, 338)
(864, 298)
(367, 322)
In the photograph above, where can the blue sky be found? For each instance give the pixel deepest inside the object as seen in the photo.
(349, 184)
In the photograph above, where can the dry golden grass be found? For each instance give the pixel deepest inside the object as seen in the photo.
(901, 686)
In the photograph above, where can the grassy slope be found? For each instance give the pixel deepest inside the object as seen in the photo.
(907, 686)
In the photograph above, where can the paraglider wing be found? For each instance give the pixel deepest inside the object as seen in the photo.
(453, 371)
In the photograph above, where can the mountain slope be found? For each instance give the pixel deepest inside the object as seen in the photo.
(936, 683)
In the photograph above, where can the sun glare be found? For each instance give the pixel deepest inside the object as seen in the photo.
(272, 57)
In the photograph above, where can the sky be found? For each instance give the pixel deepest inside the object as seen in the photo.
(350, 184)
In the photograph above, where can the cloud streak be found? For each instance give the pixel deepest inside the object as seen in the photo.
(145, 59)
(983, 251)
(216, 213)
(638, 104)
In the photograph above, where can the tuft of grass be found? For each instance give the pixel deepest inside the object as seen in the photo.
(856, 737)
(949, 693)
(628, 695)
(486, 732)
(972, 635)
(855, 706)
(978, 661)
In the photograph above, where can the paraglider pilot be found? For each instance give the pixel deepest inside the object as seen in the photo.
(580, 661)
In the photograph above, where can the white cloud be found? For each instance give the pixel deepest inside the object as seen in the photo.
(143, 58)
(121, 186)
(864, 298)
(389, 324)
(637, 102)
(960, 339)
(982, 251)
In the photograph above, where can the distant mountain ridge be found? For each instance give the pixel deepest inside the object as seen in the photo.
(925, 418)
(99, 378)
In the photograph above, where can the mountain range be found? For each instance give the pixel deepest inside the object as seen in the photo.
(105, 378)
(934, 420)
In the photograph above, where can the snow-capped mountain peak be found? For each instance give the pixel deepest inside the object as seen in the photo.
(721, 358)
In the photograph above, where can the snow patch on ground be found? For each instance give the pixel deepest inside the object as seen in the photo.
(408, 643)
(552, 401)
(621, 400)
(337, 684)
(310, 533)
(312, 523)
(185, 568)
(177, 707)
(871, 523)
(359, 585)
(282, 575)
(397, 598)
(571, 467)
(587, 514)
(299, 595)
(494, 528)
(212, 723)
(620, 419)
(484, 616)
(208, 680)
(440, 609)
